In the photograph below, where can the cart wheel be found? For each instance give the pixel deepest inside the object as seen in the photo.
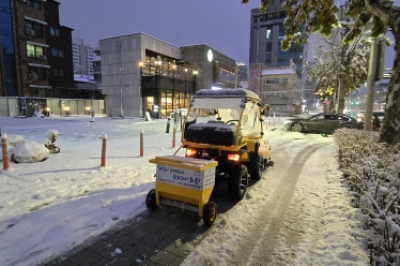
(151, 200)
(238, 181)
(258, 168)
(209, 213)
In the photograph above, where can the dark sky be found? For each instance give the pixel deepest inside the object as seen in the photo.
(221, 24)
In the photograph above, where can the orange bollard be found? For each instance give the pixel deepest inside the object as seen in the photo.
(266, 125)
(141, 144)
(274, 122)
(173, 138)
(268, 122)
(6, 161)
(103, 151)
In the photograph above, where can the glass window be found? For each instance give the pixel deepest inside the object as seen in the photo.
(54, 31)
(58, 72)
(35, 51)
(37, 73)
(39, 51)
(30, 50)
(269, 47)
(36, 28)
(42, 93)
(268, 58)
(34, 4)
(268, 33)
(57, 52)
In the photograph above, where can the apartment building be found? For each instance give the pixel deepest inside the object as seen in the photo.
(82, 57)
(36, 59)
(266, 32)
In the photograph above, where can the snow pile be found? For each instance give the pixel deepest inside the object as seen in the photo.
(30, 152)
(372, 170)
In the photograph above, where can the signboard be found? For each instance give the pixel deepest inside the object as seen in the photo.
(193, 179)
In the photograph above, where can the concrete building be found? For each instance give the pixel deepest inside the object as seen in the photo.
(281, 90)
(140, 73)
(82, 57)
(266, 32)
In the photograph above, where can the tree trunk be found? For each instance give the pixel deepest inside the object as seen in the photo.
(390, 131)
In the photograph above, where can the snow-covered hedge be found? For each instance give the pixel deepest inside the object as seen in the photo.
(372, 172)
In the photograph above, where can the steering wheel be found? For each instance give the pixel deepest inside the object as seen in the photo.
(233, 120)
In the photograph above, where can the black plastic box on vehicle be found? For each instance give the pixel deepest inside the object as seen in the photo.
(211, 133)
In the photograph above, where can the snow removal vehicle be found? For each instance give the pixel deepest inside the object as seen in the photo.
(223, 137)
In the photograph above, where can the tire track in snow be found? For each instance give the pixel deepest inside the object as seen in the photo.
(261, 237)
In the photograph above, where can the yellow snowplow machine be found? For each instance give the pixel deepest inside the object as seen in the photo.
(223, 138)
(226, 126)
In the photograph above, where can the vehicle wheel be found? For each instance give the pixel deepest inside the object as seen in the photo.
(209, 213)
(238, 181)
(297, 127)
(258, 167)
(151, 200)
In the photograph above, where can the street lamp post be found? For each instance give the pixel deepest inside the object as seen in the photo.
(195, 73)
(184, 100)
(120, 80)
(140, 86)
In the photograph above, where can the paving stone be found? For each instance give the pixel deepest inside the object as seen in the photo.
(97, 247)
(152, 239)
(131, 246)
(164, 258)
(85, 257)
(177, 261)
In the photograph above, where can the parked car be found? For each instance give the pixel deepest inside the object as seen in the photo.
(376, 119)
(322, 123)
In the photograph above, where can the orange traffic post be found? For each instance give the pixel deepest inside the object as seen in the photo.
(6, 161)
(173, 137)
(103, 151)
(274, 122)
(141, 144)
(266, 124)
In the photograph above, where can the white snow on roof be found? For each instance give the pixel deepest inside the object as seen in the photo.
(277, 71)
(84, 78)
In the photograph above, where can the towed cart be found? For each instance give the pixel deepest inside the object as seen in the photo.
(184, 183)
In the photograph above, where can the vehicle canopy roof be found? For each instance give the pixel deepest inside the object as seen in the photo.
(224, 98)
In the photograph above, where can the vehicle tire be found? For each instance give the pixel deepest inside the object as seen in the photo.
(297, 127)
(238, 181)
(151, 200)
(209, 213)
(258, 167)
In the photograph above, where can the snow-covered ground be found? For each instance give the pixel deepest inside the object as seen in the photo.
(50, 207)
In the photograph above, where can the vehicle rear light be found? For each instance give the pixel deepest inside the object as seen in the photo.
(190, 152)
(233, 157)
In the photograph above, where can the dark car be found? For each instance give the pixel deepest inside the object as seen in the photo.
(322, 123)
(376, 119)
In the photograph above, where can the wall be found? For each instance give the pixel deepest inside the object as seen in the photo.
(120, 57)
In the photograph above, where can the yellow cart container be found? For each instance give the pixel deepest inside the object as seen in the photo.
(186, 183)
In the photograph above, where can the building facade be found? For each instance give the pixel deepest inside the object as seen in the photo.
(36, 59)
(266, 32)
(281, 89)
(82, 57)
(140, 73)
